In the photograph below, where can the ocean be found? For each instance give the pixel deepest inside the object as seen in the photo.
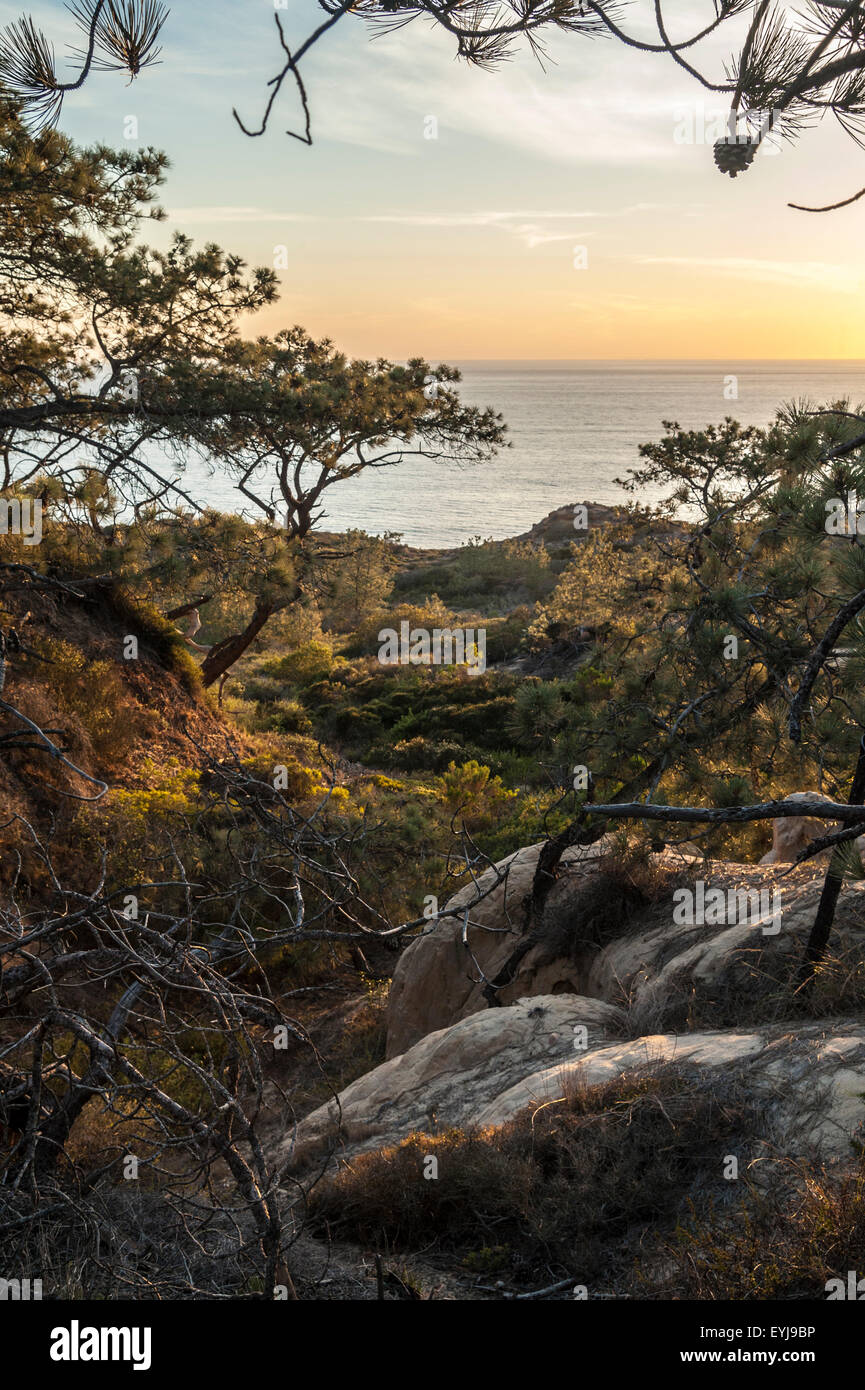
(574, 427)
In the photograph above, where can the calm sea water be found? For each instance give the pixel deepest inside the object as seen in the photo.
(574, 427)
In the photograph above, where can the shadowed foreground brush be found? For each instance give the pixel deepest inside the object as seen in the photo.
(789, 1239)
(570, 1187)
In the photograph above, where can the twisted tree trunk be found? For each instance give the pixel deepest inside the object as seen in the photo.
(822, 928)
(231, 649)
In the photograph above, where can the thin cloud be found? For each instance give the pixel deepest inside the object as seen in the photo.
(822, 274)
(232, 214)
(533, 228)
(466, 219)
(585, 109)
(527, 226)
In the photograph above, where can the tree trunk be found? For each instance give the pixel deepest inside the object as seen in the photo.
(230, 649)
(821, 930)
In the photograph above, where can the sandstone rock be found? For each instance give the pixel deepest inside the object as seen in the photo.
(792, 834)
(812, 1081)
(484, 1070)
(455, 1061)
(446, 1078)
(606, 1063)
(437, 980)
(660, 968)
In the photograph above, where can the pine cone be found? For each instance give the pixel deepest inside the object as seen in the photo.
(733, 156)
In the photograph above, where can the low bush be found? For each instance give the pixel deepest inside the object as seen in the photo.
(92, 696)
(305, 664)
(787, 1240)
(568, 1189)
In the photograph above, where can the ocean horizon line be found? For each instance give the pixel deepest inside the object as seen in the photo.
(679, 362)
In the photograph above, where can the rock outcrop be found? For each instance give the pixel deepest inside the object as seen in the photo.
(692, 970)
(790, 835)
(438, 980)
(487, 1068)
(653, 963)
(452, 1074)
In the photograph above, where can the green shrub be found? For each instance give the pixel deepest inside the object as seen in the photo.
(506, 637)
(430, 614)
(287, 717)
(470, 792)
(93, 695)
(304, 665)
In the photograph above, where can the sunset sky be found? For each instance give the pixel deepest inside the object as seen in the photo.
(464, 246)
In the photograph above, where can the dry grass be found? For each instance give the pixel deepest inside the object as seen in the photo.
(758, 987)
(570, 1189)
(803, 1227)
(605, 903)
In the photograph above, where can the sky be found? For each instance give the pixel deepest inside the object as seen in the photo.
(562, 210)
